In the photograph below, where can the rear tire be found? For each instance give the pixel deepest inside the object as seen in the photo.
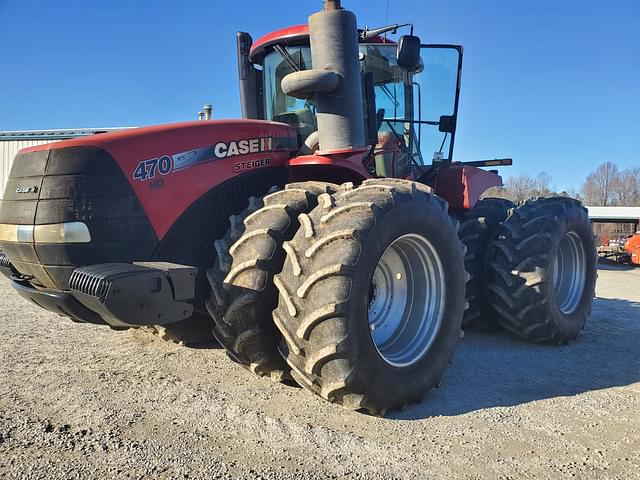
(329, 287)
(543, 268)
(478, 228)
(242, 292)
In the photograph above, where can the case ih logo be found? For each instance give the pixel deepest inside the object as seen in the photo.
(27, 190)
(166, 164)
(243, 147)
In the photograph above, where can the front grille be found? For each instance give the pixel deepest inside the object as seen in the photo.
(4, 260)
(85, 282)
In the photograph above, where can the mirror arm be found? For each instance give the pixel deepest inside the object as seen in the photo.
(367, 34)
(417, 85)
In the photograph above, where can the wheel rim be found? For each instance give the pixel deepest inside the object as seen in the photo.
(569, 273)
(407, 300)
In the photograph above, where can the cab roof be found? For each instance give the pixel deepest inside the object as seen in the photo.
(295, 35)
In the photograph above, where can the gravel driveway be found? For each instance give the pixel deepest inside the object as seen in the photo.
(80, 401)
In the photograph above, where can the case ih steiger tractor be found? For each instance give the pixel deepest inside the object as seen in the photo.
(313, 238)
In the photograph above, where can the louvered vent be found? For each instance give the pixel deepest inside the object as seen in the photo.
(4, 260)
(93, 285)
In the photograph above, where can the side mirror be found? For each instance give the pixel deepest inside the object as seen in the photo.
(408, 53)
(447, 123)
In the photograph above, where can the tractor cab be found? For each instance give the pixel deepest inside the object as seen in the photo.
(413, 104)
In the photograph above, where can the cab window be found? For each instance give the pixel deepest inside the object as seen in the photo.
(280, 107)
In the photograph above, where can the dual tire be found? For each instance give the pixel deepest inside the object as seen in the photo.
(358, 293)
(543, 270)
(532, 267)
(367, 284)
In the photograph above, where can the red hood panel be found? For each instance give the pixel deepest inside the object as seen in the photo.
(171, 166)
(185, 130)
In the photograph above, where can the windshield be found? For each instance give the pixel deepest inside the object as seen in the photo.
(280, 107)
(410, 103)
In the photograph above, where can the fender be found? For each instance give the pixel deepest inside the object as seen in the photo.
(337, 167)
(462, 185)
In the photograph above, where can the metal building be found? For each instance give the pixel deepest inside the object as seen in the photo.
(615, 215)
(11, 142)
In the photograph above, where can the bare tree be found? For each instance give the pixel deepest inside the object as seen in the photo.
(497, 192)
(626, 188)
(542, 185)
(597, 189)
(606, 185)
(522, 187)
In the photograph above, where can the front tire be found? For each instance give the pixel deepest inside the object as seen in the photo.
(543, 270)
(242, 292)
(358, 244)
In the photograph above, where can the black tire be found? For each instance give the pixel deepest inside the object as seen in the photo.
(242, 292)
(478, 228)
(522, 259)
(326, 286)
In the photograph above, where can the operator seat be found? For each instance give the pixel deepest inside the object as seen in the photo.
(302, 119)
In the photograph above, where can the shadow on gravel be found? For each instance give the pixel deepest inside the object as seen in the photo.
(604, 264)
(494, 370)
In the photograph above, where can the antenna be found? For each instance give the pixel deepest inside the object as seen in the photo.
(386, 19)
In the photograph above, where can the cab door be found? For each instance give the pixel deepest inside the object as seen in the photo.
(436, 88)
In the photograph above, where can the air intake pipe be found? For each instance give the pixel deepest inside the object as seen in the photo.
(335, 83)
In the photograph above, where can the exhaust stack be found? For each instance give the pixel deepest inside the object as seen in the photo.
(208, 109)
(332, 5)
(335, 83)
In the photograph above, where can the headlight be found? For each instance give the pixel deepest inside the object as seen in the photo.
(70, 232)
(16, 233)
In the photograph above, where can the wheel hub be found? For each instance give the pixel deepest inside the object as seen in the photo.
(569, 273)
(407, 300)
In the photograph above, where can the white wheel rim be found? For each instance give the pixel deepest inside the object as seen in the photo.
(569, 273)
(407, 300)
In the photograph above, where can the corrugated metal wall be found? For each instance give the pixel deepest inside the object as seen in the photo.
(8, 150)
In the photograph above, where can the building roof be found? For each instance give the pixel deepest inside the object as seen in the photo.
(614, 214)
(58, 134)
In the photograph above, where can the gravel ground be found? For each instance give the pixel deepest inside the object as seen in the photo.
(79, 401)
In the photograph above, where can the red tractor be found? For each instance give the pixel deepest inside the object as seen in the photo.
(313, 238)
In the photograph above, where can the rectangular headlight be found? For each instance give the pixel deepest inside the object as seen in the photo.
(16, 233)
(70, 232)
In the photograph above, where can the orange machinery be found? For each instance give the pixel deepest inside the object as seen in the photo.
(632, 247)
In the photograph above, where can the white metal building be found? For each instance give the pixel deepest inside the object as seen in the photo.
(13, 141)
(614, 214)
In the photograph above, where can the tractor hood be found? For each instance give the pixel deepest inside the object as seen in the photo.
(159, 160)
(113, 197)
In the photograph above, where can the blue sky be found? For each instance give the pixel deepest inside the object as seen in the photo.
(553, 84)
